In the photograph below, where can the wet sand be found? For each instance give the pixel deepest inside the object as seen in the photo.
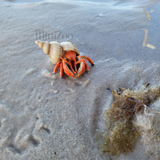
(43, 116)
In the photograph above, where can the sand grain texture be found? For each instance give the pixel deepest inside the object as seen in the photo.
(43, 116)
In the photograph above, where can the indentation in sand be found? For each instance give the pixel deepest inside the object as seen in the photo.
(34, 141)
(17, 141)
(40, 126)
(14, 149)
(20, 144)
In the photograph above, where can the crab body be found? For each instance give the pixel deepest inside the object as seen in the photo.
(66, 57)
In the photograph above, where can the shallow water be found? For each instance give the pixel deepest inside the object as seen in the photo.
(119, 4)
(44, 116)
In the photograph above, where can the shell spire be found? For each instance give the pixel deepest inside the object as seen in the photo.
(44, 45)
(53, 49)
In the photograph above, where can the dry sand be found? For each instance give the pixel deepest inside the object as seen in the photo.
(43, 116)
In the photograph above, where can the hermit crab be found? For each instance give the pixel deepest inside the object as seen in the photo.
(66, 57)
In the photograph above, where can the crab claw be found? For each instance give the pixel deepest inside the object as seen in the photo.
(83, 64)
(86, 66)
(81, 68)
(65, 67)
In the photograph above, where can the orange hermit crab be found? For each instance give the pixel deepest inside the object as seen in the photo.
(66, 56)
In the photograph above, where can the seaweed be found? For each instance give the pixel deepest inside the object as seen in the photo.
(121, 119)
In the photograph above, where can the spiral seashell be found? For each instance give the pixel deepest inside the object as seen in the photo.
(53, 49)
(69, 46)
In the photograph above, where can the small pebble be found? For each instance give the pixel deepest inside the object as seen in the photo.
(30, 71)
(86, 83)
(71, 90)
(78, 83)
(55, 91)
(52, 83)
(47, 74)
(150, 46)
(101, 15)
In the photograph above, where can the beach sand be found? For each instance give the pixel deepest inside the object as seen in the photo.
(43, 116)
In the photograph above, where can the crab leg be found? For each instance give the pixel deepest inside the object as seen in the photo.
(75, 65)
(69, 63)
(86, 66)
(89, 59)
(56, 67)
(67, 70)
(81, 60)
(61, 70)
(71, 67)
